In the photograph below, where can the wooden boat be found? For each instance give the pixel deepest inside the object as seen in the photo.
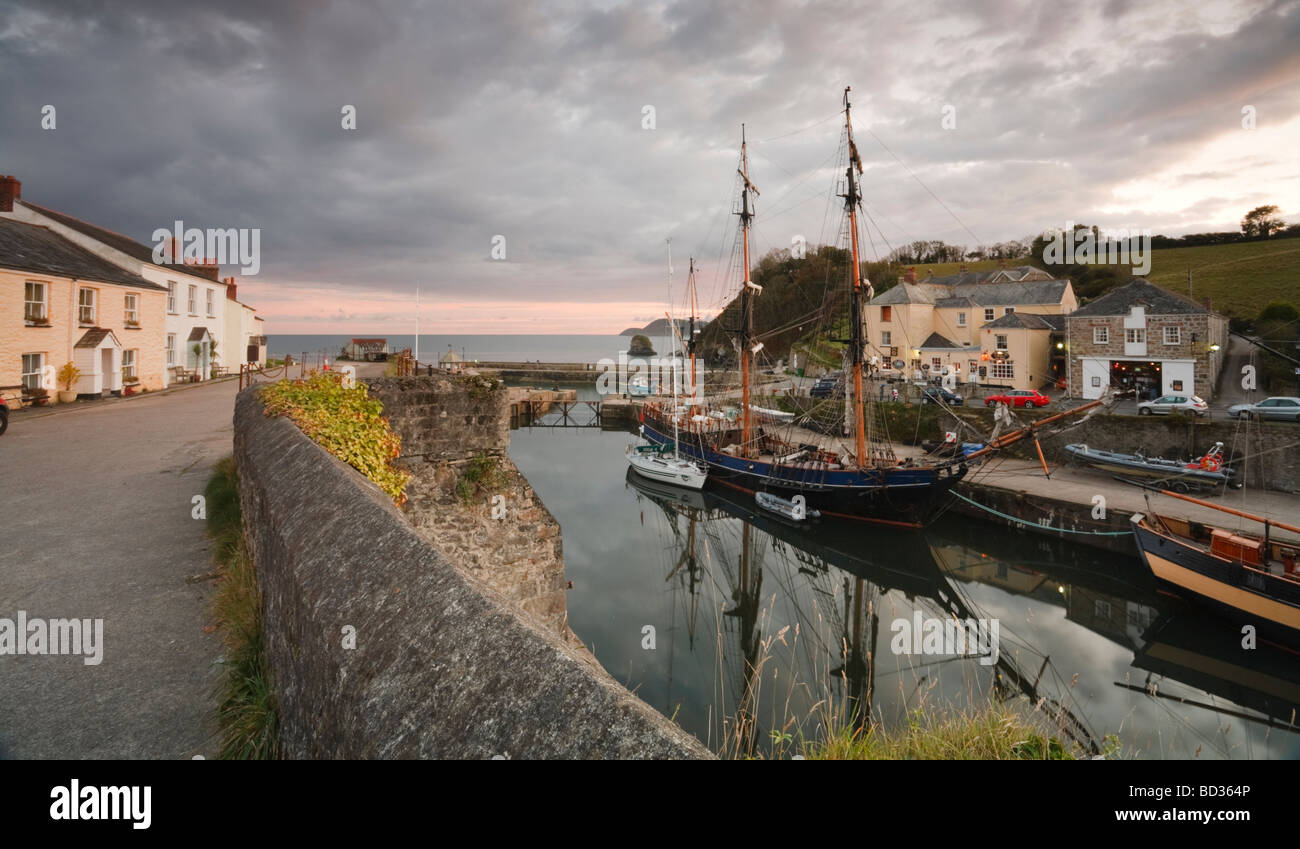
(1253, 579)
(1207, 471)
(793, 509)
(861, 480)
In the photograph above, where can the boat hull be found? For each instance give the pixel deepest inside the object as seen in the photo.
(903, 496)
(1132, 466)
(1250, 596)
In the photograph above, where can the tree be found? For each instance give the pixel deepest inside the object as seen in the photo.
(1262, 221)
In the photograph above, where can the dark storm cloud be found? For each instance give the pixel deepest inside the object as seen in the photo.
(523, 119)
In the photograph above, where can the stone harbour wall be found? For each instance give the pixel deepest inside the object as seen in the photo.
(380, 645)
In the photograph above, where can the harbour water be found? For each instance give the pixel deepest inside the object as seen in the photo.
(704, 610)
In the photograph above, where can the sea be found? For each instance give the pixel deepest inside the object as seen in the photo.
(576, 348)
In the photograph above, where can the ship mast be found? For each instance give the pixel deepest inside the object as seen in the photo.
(747, 294)
(690, 338)
(851, 200)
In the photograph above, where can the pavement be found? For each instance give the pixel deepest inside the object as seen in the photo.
(96, 507)
(1081, 484)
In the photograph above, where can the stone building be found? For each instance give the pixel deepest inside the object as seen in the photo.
(1144, 338)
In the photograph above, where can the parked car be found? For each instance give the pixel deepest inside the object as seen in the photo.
(939, 395)
(1166, 404)
(830, 386)
(1019, 398)
(4, 416)
(1280, 408)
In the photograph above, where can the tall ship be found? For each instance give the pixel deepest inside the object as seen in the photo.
(853, 473)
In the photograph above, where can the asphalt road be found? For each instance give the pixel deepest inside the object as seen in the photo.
(95, 504)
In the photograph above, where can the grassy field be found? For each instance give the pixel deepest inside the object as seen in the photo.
(1240, 278)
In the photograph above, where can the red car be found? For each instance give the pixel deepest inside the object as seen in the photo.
(1019, 398)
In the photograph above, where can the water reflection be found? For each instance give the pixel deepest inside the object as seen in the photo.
(763, 626)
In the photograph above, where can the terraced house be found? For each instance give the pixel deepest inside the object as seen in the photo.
(999, 328)
(60, 303)
(204, 332)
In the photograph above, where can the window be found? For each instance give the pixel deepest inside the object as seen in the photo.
(1004, 371)
(211, 307)
(132, 313)
(886, 313)
(34, 302)
(1002, 341)
(1101, 336)
(1173, 335)
(194, 300)
(1008, 310)
(988, 314)
(936, 365)
(885, 338)
(1101, 609)
(86, 306)
(171, 349)
(171, 297)
(1135, 336)
(33, 365)
(128, 366)
(961, 319)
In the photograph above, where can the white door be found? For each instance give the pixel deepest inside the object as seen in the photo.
(1176, 378)
(1096, 377)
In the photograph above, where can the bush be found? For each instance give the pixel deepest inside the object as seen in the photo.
(345, 422)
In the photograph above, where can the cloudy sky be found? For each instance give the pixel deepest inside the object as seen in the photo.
(525, 120)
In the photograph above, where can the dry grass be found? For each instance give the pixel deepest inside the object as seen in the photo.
(246, 712)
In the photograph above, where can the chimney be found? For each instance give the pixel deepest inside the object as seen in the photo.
(910, 275)
(10, 191)
(1209, 306)
(230, 288)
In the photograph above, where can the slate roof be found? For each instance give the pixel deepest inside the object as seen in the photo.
(1022, 273)
(125, 244)
(30, 247)
(1029, 321)
(1139, 291)
(1009, 294)
(92, 337)
(197, 333)
(934, 340)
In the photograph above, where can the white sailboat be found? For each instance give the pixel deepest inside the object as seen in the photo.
(656, 461)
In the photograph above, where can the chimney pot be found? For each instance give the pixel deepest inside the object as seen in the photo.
(10, 191)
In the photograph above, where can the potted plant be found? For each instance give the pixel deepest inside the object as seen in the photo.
(38, 396)
(68, 375)
(198, 361)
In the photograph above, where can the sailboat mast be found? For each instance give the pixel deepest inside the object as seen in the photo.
(851, 199)
(672, 328)
(690, 338)
(746, 305)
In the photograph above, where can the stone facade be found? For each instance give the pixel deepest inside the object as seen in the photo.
(1196, 334)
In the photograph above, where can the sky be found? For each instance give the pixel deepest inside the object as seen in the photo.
(524, 127)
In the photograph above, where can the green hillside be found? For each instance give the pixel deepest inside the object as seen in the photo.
(1239, 278)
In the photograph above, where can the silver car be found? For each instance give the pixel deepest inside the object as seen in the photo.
(1280, 408)
(1174, 403)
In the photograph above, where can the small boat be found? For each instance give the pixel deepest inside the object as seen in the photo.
(793, 509)
(655, 463)
(1255, 579)
(1207, 471)
(662, 460)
